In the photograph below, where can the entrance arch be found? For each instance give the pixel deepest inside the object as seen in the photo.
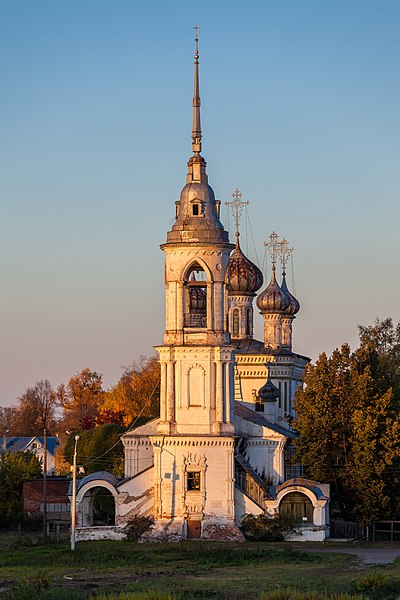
(298, 507)
(98, 507)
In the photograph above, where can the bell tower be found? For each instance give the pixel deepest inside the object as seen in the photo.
(194, 444)
(196, 358)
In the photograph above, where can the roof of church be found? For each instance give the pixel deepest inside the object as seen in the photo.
(252, 346)
(250, 415)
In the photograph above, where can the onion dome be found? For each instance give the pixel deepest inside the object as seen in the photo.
(272, 299)
(269, 392)
(244, 276)
(294, 305)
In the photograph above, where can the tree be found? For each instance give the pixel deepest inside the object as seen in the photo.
(7, 415)
(349, 429)
(81, 400)
(137, 394)
(380, 348)
(35, 410)
(14, 470)
(98, 449)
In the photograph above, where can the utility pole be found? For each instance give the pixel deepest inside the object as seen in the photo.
(45, 485)
(73, 506)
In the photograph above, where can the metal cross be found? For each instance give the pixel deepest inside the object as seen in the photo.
(237, 207)
(284, 253)
(273, 246)
(196, 37)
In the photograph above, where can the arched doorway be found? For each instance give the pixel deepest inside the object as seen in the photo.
(298, 507)
(98, 506)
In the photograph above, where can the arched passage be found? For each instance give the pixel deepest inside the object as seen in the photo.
(98, 507)
(298, 507)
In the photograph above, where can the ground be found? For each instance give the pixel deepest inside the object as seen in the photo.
(193, 570)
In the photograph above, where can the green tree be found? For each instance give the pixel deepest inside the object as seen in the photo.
(349, 429)
(14, 470)
(98, 449)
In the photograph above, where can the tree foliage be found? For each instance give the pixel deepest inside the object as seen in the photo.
(14, 470)
(349, 424)
(98, 449)
(137, 394)
(81, 400)
(7, 415)
(35, 410)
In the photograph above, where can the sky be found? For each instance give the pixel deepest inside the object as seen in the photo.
(300, 111)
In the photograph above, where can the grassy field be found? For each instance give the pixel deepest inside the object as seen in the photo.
(191, 570)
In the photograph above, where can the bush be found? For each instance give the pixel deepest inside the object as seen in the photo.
(370, 582)
(265, 528)
(138, 526)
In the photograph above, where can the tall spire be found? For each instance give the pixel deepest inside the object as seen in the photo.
(196, 129)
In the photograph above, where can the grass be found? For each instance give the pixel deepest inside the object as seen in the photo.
(107, 570)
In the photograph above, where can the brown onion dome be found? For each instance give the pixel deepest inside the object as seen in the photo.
(244, 276)
(269, 392)
(294, 305)
(272, 299)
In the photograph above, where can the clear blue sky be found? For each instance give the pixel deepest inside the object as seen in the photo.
(300, 110)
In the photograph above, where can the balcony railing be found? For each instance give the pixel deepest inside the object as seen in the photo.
(199, 321)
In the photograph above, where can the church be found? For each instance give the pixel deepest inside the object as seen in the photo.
(222, 445)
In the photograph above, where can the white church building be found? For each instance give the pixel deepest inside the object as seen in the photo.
(221, 446)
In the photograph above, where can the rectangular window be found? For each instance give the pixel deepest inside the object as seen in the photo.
(193, 481)
(195, 210)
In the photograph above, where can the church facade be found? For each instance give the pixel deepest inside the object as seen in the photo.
(221, 446)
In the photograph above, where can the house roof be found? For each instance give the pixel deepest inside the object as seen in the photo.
(20, 444)
(250, 415)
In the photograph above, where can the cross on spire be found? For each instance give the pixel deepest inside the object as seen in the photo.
(284, 253)
(196, 128)
(237, 205)
(196, 39)
(273, 246)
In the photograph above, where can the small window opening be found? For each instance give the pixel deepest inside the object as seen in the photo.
(248, 323)
(193, 481)
(195, 210)
(235, 324)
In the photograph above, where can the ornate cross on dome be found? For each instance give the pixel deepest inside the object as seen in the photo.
(237, 205)
(273, 246)
(196, 37)
(284, 253)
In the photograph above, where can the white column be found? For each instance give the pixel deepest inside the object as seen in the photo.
(163, 394)
(219, 302)
(170, 391)
(219, 389)
(229, 387)
(210, 306)
(179, 306)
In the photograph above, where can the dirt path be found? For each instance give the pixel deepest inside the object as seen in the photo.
(368, 556)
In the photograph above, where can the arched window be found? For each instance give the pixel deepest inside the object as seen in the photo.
(235, 322)
(298, 507)
(196, 307)
(249, 328)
